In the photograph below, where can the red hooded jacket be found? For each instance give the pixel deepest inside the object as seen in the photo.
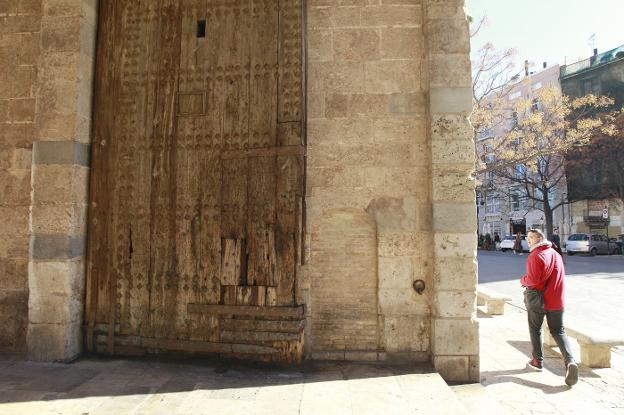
(545, 268)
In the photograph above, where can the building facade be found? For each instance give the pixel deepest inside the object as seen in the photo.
(506, 210)
(595, 174)
(263, 180)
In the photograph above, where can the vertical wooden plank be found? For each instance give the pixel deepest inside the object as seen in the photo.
(97, 298)
(165, 285)
(290, 93)
(231, 261)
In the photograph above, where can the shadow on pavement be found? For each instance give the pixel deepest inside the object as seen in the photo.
(502, 376)
(99, 376)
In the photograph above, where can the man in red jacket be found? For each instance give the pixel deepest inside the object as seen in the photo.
(545, 272)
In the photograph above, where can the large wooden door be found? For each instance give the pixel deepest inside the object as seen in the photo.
(197, 178)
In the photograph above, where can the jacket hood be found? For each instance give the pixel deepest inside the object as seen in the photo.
(547, 244)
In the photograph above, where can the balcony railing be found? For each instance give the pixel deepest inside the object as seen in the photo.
(594, 61)
(594, 216)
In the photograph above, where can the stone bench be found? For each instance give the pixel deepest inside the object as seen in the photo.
(494, 303)
(595, 348)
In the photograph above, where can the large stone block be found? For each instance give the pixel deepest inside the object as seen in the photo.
(54, 342)
(19, 82)
(356, 44)
(452, 152)
(447, 36)
(450, 70)
(402, 43)
(407, 104)
(451, 127)
(62, 8)
(452, 273)
(15, 182)
(336, 77)
(455, 337)
(395, 273)
(460, 304)
(61, 218)
(403, 302)
(13, 221)
(387, 77)
(60, 33)
(455, 244)
(411, 129)
(402, 244)
(450, 100)
(453, 185)
(60, 184)
(331, 131)
(316, 106)
(57, 247)
(454, 217)
(14, 274)
(13, 319)
(319, 45)
(453, 368)
(392, 15)
(22, 110)
(406, 334)
(56, 291)
(394, 214)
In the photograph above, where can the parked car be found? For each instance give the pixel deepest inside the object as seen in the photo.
(507, 244)
(590, 243)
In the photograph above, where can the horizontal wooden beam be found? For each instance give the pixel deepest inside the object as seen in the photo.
(287, 313)
(263, 152)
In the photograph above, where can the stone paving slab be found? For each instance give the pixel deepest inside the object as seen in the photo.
(505, 350)
(93, 386)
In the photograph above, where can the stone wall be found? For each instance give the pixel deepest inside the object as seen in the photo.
(388, 137)
(19, 52)
(59, 179)
(455, 334)
(389, 196)
(368, 154)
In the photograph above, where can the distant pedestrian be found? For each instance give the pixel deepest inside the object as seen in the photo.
(518, 244)
(496, 241)
(556, 243)
(488, 241)
(544, 284)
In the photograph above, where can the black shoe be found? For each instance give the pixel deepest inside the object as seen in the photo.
(535, 365)
(571, 374)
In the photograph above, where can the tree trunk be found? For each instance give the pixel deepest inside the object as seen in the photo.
(548, 215)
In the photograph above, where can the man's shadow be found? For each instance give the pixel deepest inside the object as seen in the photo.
(553, 363)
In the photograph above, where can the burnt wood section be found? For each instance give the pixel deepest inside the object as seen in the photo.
(195, 223)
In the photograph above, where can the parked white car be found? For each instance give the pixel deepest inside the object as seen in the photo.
(590, 243)
(507, 244)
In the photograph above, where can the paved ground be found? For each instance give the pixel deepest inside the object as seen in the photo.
(117, 387)
(505, 350)
(103, 386)
(594, 286)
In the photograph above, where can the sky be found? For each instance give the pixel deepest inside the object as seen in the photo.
(552, 31)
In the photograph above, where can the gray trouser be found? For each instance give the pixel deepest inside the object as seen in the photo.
(555, 324)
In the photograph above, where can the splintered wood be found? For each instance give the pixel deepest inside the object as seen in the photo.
(197, 176)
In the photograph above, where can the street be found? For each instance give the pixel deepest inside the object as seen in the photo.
(594, 286)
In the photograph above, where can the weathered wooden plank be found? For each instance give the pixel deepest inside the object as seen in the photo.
(97, 286)
(231, 261)
(165, 277)
(294, 326)
(225, 310)
(290, 93)
(286, 150)
(256, 336)
(204, 347)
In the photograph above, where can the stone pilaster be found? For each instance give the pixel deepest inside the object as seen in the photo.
(60, 179)
(455, 335)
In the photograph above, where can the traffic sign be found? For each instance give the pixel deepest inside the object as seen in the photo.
(605, 213)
